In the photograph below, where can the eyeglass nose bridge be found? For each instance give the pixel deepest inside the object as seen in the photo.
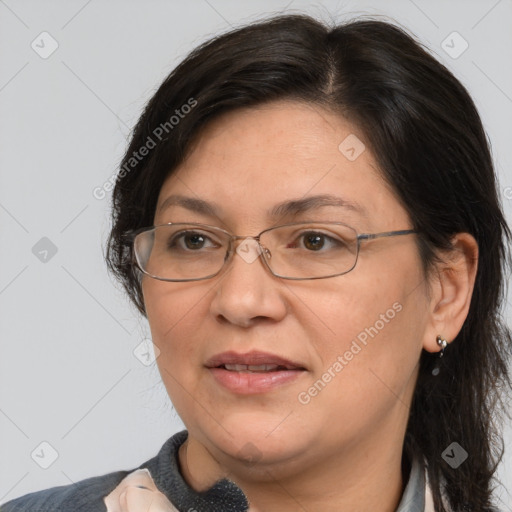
(247, 254)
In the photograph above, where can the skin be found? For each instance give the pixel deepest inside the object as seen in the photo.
(342, 450)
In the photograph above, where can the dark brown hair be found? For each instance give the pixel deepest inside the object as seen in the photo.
(428, 139)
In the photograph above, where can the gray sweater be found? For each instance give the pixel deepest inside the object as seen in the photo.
(225, 496)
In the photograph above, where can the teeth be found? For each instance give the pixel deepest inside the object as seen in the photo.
(262, 367)
(251, 367)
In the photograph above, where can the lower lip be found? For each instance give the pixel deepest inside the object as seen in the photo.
(249, 383)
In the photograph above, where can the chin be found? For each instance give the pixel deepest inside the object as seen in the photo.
(256, 438)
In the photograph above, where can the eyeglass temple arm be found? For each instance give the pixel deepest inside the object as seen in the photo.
(372, 236)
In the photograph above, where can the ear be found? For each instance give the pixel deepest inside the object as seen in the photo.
(451, 286)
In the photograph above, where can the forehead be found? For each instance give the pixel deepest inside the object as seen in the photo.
(250, 162)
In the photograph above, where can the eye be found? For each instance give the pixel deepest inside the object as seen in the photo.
(314, 241)
(190, 240)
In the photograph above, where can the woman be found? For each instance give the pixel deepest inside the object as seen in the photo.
(308, 218)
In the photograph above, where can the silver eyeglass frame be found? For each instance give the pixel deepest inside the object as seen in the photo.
(130, 236)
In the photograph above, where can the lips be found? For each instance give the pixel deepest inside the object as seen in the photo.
(256, 367)
(253, 372)
(252, 361)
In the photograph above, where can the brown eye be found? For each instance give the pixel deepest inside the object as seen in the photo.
(194, 241)
(314, 241)
(189, 240)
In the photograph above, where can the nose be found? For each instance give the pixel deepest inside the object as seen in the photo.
(246, 291)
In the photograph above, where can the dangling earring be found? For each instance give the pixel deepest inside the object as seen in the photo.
(442, 343)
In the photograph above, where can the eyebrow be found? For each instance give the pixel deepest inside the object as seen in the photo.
(288, 208)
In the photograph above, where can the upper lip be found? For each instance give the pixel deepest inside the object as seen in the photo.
(251, 358)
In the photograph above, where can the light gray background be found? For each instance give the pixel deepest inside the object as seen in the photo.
(68, 375)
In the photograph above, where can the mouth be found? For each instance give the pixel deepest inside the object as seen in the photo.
(254, 361)
(256, 368)
(253, 372)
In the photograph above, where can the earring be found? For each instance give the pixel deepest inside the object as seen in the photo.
(442, 344)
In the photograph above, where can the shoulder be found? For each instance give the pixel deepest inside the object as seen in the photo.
(84, 496)
(87, 495)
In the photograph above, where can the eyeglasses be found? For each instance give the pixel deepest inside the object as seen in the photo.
(301, 250)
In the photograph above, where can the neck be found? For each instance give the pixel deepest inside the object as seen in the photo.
(344, 481)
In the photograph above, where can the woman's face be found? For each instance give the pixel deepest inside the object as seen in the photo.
(354, 340)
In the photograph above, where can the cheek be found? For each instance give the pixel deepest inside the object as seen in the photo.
(379, 368)
(369, 359)
(174, 313)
